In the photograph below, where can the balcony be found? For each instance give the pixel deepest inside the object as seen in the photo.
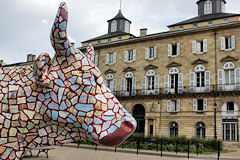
(185, 90)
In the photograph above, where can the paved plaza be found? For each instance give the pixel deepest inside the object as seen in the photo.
(71, 152)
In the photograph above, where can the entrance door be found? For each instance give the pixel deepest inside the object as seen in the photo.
(139, 115)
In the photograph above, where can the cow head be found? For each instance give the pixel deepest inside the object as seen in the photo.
(75, 94)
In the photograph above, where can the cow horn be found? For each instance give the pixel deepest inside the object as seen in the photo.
(58, 35)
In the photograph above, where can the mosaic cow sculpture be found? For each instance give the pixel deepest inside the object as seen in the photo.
(56, 101)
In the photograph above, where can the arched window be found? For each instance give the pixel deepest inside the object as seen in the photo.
(129, 75)
(111, 83)
(200, 130)
(200, 76)
(208, 7)
(128, 85)
(150, 79)
(139, 115)
(229, 70)
(173, 70)
(114, 26)
(173, 129)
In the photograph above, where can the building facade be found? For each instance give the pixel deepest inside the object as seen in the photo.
(184, 82)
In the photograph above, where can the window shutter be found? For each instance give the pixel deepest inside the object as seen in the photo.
(114, 86)
(205, 45)
(169, 50)
(114, 57)
(222, 43)
(111, 85)
(237, 78)
(134, 86)
(147, 53)
(105, 82)
(96, 60)
(205, 104)
(192, 81)
(233, 42)
(195, 108)
(178, 49)
(134, 55)
(155, 52)
(180, 83)
(178, 106)
(125, 56)
(107, 58)
(144, 85)
(122, 89)
(194, 46)
(220, 79)
(156, 84)
(168, 106)
(166, 84)
(207, 81)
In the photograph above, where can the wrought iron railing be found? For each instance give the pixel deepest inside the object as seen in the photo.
(178, 90)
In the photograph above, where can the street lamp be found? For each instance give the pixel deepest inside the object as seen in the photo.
(215, 118)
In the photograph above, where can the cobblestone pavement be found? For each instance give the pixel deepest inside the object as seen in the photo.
(70, 152)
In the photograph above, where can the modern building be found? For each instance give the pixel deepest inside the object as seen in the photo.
(183, 82)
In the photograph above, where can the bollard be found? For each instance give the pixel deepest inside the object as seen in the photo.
(161, 141)
(95, 147)
(122, 145)
(197, 148)
(115, 149)
(218, 148)
(78, 143)
(176, 147)
(138, 145)
(188, 148)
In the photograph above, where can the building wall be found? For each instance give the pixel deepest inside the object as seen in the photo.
(156, 108)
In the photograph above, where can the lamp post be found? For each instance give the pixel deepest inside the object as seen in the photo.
(215, 118)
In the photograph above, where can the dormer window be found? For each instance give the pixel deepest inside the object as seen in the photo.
(208, 7)
(195, 25)
(180, 27)
(114, 26)
(127, 27)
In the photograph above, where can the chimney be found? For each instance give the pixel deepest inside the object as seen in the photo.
(2, 63)
(31, 57)
(72, 43)
(143, 32)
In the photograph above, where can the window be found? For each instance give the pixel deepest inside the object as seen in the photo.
(99, 42)
(173, 129)
(223, 6)
(228, 43)
(195, 25)
(111, 58)
(114, 26)
(119, 38)
(230, 106)
(150, 83)
(109, 39)
(200, 130)
(173, 105)
(173, 50)
(111, 83)
(200, 79)
(130, 56)
(199, 47)
(208, 7)
(173, 82)
(225, 20)
(210, 23)
(229, 73)
(180, 27)
(127, 27)
(230, 130)
(199, 105)
(128, 85)
(151, 53)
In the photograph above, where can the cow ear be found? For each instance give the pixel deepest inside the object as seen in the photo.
(58, 36)
(90, 52)
(41, 68)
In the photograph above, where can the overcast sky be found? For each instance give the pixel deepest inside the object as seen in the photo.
(25, 24)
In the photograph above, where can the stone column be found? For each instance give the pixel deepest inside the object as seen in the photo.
(146, 127)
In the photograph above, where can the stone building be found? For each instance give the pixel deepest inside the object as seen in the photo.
(185, 81)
